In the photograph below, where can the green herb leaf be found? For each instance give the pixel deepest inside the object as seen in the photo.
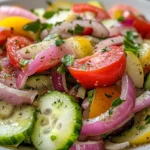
(140, 127)
(110, 111)
(49, 14)
(61, 69)
(147, 119)
(104, 49)
(90, 95)
(117, 102)
(33, 26)
(108, 95)
(24, 62)
(68, 60)
(59, 42)
(121, 19)
(78, 29)
(1, 68)
(130, 44)
(53, 137)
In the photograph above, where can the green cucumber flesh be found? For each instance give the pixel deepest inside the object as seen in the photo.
(17, 127)
(58, 123)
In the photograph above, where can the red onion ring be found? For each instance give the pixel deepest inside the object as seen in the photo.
(99, 30)
(142, 102)
(106, 123)
(6, 11)
(59, 81)
(50, 57)
(109, 42)
(89, 145)
(15, 96)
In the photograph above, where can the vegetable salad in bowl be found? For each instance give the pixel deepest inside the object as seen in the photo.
(74, 76)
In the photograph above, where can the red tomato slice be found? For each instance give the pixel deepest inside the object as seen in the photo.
(13, 45)
(122, 8)
(141, 25)
(100, 69)
(4, 34)
(87, 31)
(83, 7)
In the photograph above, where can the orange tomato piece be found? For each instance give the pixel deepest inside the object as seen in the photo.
(102, 99)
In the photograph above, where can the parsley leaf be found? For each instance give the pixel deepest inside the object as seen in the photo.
(53, 137)
(117, 102)
(90, 95)
(104, 49)
(59, 42)
(130, 44)
(61, 69)
(68, 60)
(121, 19)
(147, 119)
(24, 62)
(49, 14)
(77, 30)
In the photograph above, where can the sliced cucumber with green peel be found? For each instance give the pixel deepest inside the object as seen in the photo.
(40, 83)
(17, 127)
(59, 122)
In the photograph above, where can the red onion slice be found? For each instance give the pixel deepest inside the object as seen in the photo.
(99, 30)
(15, 96)
(142, 102)
(59, 81)
(116, 146)
(50, 57)
(89, 145)
(109, 42)
(106, 123)
(6, 11)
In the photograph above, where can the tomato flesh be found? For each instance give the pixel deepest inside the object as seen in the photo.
(14, 44)
(100, 69)
(81, 8)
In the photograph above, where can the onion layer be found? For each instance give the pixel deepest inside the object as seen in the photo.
(15, 96)
(99, 30)
(142, 102)
(89, 145)
(59, 81)
(6, 11)
(106, 123)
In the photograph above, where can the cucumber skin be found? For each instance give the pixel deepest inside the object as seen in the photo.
(18, 138)
(77, 127)
(147, 82)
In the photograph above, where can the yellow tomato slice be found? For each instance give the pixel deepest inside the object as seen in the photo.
(102, 99)
(17, 24)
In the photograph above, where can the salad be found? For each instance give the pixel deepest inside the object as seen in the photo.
(74, 77)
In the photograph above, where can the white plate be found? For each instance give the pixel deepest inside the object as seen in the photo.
(141, 5)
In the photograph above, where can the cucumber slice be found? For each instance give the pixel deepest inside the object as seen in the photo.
(147, 82)
(6, 109)
(109, 22)
(17, 127)
(58, 123)
(40, 83)
(139, 133)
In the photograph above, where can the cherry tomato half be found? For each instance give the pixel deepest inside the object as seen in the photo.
(100, 69)
(14, 44)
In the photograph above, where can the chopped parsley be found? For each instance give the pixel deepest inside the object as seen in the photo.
(147, 119)
(110, 111)
(104, 49)
(121, 19)
(68, 60)
(24, 62)
(77, 30)
(108, 95)
(61, 69)
(49, 14)
(1, 68)
(117, 102)
(90, 95)
(130, 44)
(140, 128)
(53, 137)
(37, 26)
(59, 42)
